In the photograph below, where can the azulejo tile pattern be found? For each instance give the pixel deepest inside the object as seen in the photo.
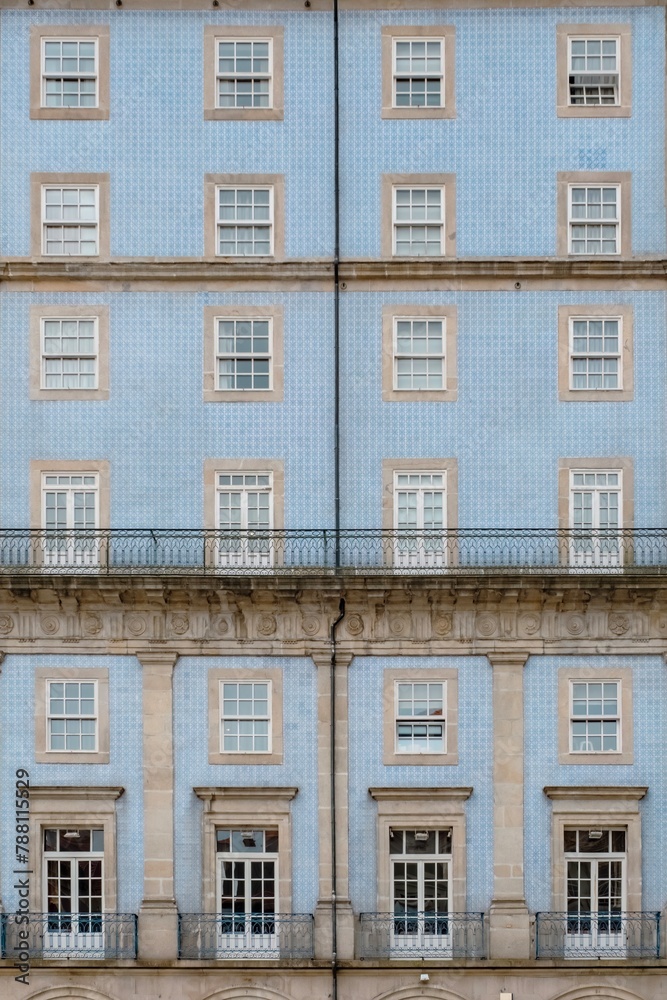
(17, 750)
(192, 769)
(157, 146)
(508, 428)
(649, 680)
(156, 367)
(506, 144)
(366, 769)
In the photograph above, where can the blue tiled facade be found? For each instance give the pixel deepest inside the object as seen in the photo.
(299, 769)
(17, 751)
(542, 767)
(473, 770)
(507, 428)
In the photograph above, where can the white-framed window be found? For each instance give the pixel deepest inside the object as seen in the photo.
(595, 862)
(595, 716)
(420, 877)
(72, 716)
(70, 220)
(69, 353)
(70, 517)
(69, 73)
(418, 72)
(247, 889)
(73, 887)
(419, 353)
(246, 717)
(420, 717)
(244, 511)
(418, 221)
(244, 71)
(595, 517)
(595, 352)
(593, 70)
(244, 221)
(420, 518)
(594, 218)
(243, 353)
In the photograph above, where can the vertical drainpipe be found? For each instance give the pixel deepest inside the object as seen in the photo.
(336, 269)
(332, 754)
(341, 605)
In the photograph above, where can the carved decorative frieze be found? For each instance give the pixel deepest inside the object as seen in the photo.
(445, 616)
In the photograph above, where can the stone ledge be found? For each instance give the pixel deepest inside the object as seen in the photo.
(190, 269)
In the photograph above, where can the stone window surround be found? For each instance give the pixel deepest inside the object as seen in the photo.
(216, 755)
(447, 465)
(624, 465)
(626, 392)
(389, 182)
(276, 315)
(38, 32)
(447, 675)
(39, 313)
(84, 806)
(214, 181)
(212, 466)
(40, 467)
(246, 808)
(449, 315)
(603, 178)
(447, 33)
(40, 180)
(621, 674)
(566, 110)
(74, 673)
(592, 807)
(215, 33)
(421, 809)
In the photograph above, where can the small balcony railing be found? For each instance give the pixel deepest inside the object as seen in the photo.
(422, 935)
(599, 935)
(364, 551)
(71, 935)
(245, 935)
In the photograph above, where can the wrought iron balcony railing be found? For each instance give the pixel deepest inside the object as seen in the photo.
(245, 935)
(364, 551)
(599, 935)
(70, 935)
(422, 935)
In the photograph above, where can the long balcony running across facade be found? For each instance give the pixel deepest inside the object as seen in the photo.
(367, 551)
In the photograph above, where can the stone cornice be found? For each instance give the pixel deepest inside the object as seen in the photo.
(587, 792)
(213, 793)
(77, 792)
(353, 273)
(413, 794)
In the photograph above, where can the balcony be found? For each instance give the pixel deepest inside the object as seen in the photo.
(599, 936)
(212, 936)
(466, 551)
(422, 935)
(70, 935)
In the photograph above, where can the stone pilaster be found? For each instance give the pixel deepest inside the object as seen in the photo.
(324, 910)
(158, 919)
(509, 919)
(2, 656)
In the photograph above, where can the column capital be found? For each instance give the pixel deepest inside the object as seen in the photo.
(508, 658)
(322, 657)
(158, 658)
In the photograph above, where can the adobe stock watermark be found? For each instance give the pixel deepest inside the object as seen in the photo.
(23, 872)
